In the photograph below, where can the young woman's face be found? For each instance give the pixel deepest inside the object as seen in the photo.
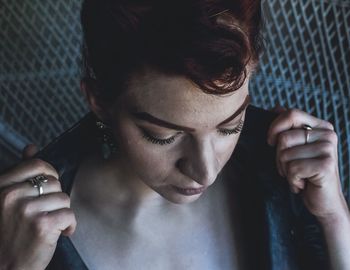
(173, 136)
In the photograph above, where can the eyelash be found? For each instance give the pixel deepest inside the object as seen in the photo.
(223, 132)
(158, 141)
(235, 130)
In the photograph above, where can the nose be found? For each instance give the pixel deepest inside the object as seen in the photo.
(200, 162)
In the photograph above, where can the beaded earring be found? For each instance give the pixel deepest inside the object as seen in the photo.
(106, 140)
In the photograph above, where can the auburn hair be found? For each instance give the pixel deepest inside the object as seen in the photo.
(211, 42)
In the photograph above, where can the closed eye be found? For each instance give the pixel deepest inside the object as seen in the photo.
(222, 131)
(235, 130)
(155, 140)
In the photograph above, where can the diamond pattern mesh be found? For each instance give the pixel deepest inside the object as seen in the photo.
(306, 65)
(39, 68)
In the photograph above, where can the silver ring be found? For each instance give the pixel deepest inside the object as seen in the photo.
(37, 182)
(307, 129)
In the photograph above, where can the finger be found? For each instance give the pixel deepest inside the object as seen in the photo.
(279, 165)
(52, 185)
(294, 119)
(11, 194)
(25, 170)
(64, 220)
(298, 185)
(291, 138)
(294, 137)
(313, 171)
(46, 203)
(304, 152)
(52, 224)
(29, 151)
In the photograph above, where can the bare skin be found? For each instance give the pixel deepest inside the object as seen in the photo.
(151, 236)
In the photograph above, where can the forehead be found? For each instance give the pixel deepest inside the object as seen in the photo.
(177, 99)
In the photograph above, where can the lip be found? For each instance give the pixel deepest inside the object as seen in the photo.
(189, 191)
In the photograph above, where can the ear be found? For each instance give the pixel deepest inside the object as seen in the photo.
(96, 105)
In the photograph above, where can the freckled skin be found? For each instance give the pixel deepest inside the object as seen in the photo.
(194, 159)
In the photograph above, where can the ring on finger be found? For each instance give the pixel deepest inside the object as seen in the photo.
(307, 129)
(37, 182)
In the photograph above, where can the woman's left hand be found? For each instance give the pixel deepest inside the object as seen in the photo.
(309, 164)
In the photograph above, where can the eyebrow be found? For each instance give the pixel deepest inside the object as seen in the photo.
(151, 119)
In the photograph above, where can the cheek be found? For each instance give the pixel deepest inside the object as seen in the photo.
(148, 161)
(225, 148)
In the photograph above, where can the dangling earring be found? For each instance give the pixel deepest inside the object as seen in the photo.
(106, 140)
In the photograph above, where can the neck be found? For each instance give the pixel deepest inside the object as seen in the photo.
(131, 190)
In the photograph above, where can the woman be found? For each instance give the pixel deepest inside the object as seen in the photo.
(161, 174)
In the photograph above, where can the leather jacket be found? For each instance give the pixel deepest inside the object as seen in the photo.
(280, 234)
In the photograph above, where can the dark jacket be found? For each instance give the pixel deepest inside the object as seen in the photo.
(280, 234)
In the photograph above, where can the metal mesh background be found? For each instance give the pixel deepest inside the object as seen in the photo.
(39, 70)
(306, 65)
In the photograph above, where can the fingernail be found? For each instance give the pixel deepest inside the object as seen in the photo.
(301, 184)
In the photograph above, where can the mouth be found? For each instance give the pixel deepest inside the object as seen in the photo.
(189, 191)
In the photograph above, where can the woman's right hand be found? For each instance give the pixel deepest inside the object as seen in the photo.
(31, 225)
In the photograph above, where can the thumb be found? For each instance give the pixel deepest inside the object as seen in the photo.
(29, 151)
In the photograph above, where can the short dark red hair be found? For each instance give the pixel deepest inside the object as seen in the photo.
(211, 42)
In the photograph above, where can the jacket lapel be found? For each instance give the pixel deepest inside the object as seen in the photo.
(268, 221)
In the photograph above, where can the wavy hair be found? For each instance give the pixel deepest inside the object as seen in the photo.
(211, 42)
